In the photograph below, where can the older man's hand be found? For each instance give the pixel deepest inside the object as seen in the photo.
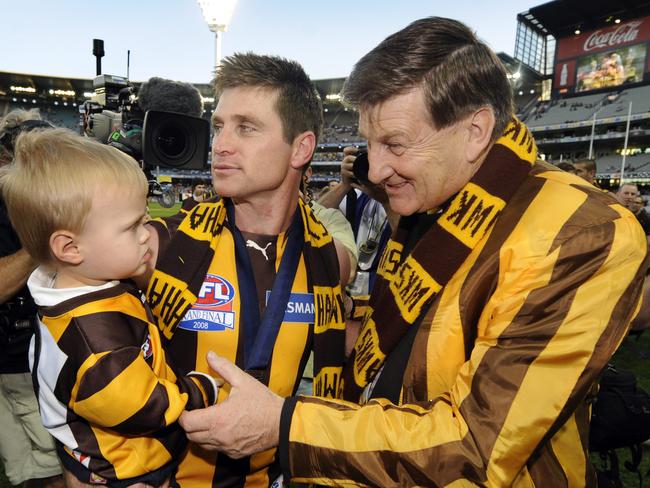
(248, 421)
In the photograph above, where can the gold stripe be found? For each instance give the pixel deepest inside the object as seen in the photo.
(89, 362)
(573, 460)
(386, 427)
(133, 457)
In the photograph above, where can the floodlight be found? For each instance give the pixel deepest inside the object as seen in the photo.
(217, 14)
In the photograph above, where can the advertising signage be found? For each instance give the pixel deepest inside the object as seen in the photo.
(604, 70)
(607, 39)
(603, 58)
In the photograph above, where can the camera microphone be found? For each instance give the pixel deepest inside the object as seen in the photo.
(170, 96)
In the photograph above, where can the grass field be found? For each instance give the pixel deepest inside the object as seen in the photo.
(633, 356)
(156, 210)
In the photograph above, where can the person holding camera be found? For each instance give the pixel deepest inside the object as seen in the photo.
(500, 298)
(26, 448)
(254, 275)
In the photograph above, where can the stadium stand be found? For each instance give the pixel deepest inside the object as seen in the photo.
(593, 72)
(560, 79)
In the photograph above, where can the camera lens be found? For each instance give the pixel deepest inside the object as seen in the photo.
(172, 140)
(173, 143)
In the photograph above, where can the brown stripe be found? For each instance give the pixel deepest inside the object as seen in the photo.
(481, 280)
(415, 382)
(182, 350)
(194, 255)
(87, 444)
(321, 268)
(331, 340)
(106, 331)
(441, 265)
(544, 466)
(173, 440)
(150, 417)
(384, 468)
(573, 262)
(321, 401)
(511, 169)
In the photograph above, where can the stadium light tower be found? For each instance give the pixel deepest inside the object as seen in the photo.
(217, 14)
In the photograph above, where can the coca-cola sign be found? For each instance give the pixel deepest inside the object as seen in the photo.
(622, 34)
(633, 31)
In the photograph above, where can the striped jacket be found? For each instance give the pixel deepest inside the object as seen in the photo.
(105, 390)
(495, 388)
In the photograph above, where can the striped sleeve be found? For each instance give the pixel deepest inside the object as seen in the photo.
(118, 389)
(543, 338)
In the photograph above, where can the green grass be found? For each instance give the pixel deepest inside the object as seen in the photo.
(156, 210)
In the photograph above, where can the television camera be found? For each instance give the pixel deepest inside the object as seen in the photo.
(161, 128)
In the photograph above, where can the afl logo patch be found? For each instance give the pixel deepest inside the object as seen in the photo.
(215, 292)
(213, 310)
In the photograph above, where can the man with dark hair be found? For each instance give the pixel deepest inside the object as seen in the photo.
(197, 195)
(502, 294)
(586, 169)
(254, 276)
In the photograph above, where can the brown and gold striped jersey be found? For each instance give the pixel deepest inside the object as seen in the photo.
(494, 388)
(201, 265)
(105, 389)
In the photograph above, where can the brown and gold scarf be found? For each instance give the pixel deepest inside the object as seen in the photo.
(407, 284)
(181, 269)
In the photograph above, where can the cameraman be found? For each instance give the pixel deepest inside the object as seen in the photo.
(26, 449)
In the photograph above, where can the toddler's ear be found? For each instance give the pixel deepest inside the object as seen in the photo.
(63, 245)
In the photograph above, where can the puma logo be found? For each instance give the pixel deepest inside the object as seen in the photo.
(254, 245)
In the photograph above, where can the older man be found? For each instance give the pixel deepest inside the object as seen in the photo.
(626, 194)
(501, 296)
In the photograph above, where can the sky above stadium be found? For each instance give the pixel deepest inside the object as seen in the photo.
(169, 38)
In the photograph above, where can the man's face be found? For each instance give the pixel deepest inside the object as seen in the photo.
(581, 170)
(626, 194)
(249, 153)
(636, 205)
(419, 166)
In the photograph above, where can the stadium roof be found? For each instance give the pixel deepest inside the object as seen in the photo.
(42, 84)
(561, 18)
